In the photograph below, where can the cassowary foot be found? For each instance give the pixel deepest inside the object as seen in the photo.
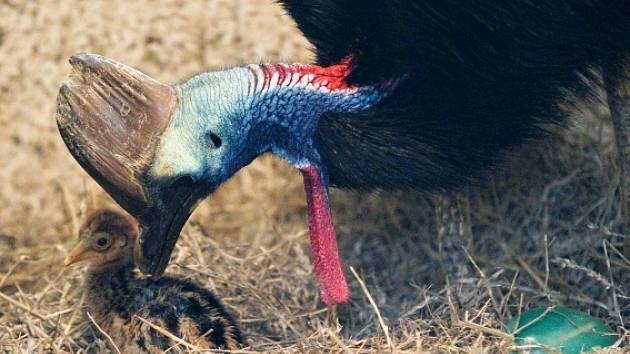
(454, 238)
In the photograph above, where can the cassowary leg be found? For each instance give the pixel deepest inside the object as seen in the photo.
(454, 237)
(617, 84)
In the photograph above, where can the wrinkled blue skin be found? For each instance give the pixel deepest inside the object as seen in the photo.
(281, 119)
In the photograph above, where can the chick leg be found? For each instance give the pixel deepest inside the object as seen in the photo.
(454, 237)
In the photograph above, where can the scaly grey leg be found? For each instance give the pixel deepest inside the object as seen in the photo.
(454, 237)
(617, 84)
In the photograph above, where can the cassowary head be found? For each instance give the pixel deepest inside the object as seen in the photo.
(160, 149)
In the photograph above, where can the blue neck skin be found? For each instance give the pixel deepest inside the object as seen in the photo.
(226, 119)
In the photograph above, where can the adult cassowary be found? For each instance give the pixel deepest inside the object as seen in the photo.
(421, 94)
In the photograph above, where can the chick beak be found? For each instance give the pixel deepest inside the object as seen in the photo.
(111, 118)
(79, 253)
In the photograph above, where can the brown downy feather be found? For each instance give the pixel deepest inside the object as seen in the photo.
(136, 311)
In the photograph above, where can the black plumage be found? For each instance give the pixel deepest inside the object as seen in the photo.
(482, 76)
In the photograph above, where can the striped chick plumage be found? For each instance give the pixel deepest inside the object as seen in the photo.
(143, 314)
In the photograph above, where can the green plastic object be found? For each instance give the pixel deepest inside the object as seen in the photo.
(559, 330)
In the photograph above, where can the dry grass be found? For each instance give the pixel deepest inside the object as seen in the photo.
(545, 228)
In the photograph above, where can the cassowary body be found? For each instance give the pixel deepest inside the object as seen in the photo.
(407, 94)
(482, 77)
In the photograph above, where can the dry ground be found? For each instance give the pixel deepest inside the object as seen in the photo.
(545, 228)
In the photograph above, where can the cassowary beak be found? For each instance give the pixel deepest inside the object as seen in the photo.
(111, 117)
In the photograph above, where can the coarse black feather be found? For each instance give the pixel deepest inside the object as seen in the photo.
(481, 77)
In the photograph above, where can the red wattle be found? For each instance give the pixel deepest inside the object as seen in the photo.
(324, 251)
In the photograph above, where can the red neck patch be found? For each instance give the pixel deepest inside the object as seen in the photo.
(328, 79)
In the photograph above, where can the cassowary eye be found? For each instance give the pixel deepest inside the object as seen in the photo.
(216, 141)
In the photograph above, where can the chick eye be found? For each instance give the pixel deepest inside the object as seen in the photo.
(102, 243)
